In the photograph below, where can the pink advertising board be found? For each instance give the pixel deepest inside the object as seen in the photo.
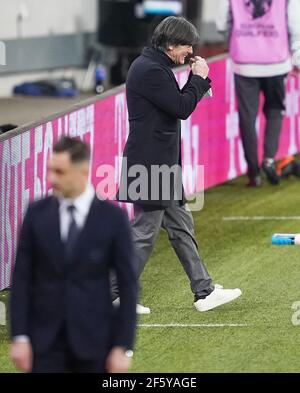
(210, 137)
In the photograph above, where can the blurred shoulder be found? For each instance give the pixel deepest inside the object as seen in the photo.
(111, 209)
(41, 204)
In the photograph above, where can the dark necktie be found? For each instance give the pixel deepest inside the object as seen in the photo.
(72, 233)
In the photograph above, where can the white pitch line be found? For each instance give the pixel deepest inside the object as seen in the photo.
(204, 325)
(262, 218)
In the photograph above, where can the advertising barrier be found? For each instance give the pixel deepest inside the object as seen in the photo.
(210, 137)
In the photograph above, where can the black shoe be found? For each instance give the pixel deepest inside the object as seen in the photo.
(254, 182)
(269, 168)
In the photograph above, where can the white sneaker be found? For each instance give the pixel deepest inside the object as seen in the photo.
(218, 297)
(142, 309)
(139, 308)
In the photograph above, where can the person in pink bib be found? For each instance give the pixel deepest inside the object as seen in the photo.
(264, 37)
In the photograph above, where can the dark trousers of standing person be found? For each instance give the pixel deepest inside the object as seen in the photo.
(248, 91)
(178, 222)
(60, 358)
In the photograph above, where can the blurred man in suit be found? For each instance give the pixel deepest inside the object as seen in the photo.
(62, 318)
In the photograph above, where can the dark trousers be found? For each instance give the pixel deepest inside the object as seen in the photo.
(248, 93)
(178, 222)
(61, 359)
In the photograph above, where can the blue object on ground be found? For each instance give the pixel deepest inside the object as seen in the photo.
(52, 88)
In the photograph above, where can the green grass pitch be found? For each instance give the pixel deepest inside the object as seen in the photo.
(237, 254)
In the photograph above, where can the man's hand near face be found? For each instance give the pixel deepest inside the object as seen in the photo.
(199, 66)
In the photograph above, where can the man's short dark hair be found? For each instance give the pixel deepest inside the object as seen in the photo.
(174, 30)
(78, 150)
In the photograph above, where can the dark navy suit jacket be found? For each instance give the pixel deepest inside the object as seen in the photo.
(155, 106)
(49, 292)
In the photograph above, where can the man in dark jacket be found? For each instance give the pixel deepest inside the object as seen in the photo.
(156, 105)
(62, 318)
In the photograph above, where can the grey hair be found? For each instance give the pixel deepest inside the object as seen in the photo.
(174, 30)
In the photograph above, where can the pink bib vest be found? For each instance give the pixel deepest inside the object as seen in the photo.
(259, 32)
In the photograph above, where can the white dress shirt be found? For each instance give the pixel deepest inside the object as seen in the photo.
(82, 206)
